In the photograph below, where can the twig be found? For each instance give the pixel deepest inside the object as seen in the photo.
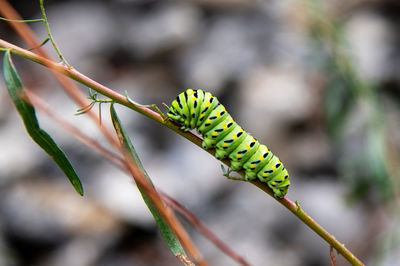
(51, 38)
(332, 255)
(203, 229)
(22, 20)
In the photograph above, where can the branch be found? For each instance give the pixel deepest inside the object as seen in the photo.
(118, 98)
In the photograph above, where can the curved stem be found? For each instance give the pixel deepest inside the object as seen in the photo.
(294, 207)
(51, 38)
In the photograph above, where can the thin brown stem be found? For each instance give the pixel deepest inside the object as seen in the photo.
(332, 255)
(203, 229)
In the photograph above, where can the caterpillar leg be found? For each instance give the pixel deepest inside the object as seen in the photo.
(226, 173)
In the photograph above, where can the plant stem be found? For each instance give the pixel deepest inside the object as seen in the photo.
(118, 98)
(22, 20)
(46, 22)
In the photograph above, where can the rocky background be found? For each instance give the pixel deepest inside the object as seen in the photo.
(318, 83)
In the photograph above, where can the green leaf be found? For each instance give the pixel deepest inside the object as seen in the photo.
(167, 233)
(27, 112)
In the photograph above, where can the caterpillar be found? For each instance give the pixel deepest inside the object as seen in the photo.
(197, 109)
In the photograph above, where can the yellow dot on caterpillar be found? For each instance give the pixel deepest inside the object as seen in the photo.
(208, 104)
(194, 99)
(225, 127)
(265, 174)
(273, 183)
(225, 145)
(218, 115)
(252, 165)
(273, 168)
(261, 158)
(248, 147)
(192, 111)
(214, 134)
(202, 115)
(235, 137)
(208, 121)
(239, 156)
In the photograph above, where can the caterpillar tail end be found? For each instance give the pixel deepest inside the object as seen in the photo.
(279, 193)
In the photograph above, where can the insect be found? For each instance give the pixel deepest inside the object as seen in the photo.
(199, 109)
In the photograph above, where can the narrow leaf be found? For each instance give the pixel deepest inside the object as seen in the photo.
(167, 233)
(27, 112)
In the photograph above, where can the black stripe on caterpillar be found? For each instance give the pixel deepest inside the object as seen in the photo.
(198, 109)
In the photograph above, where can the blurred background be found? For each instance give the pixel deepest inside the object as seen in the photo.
(317, 81)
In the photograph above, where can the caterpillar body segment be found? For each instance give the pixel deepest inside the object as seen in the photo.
(198, 109)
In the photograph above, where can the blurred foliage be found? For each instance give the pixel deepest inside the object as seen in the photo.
(362, 144)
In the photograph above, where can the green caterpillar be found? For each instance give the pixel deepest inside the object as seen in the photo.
(198, 109)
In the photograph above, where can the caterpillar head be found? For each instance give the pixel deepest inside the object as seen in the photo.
(174, 115)
(178, 117)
